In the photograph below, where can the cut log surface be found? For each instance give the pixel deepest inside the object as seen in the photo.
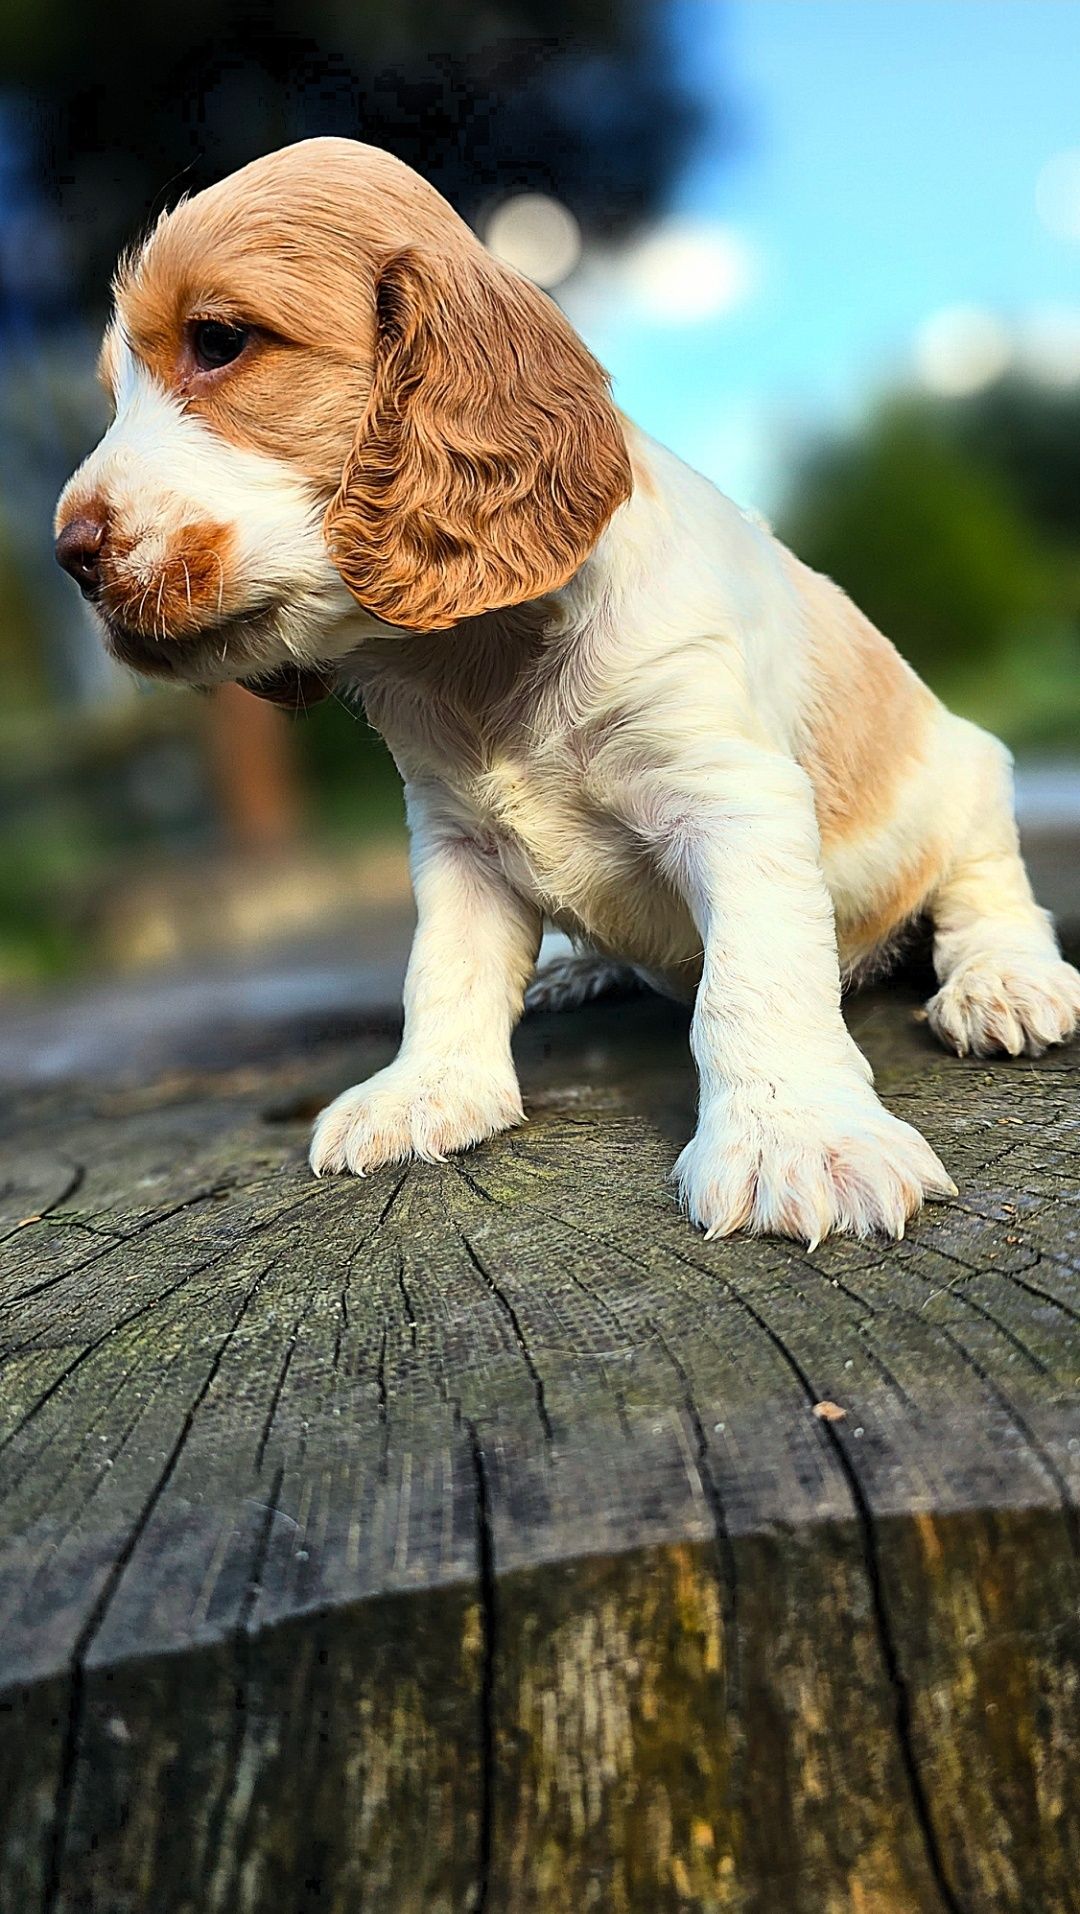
(472, 1539)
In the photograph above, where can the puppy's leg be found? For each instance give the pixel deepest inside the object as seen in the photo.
(791, 1138)
(453, 1081)
(566, 978)
(1004, 986)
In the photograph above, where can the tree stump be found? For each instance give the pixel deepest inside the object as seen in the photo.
(478, 1539)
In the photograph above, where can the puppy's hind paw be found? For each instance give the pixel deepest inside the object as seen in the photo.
(565, 982)
(1012, 1005)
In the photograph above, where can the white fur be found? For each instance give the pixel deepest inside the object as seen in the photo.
(622, 761)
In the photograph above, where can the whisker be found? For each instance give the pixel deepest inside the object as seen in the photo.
(345, 706)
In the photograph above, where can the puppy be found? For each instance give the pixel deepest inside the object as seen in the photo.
(351, 447)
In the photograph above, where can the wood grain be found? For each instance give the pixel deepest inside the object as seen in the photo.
(464, 1540)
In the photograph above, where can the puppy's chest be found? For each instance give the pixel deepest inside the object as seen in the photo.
(539, 807)
(554, 835)
(589, 873)
(532, 791)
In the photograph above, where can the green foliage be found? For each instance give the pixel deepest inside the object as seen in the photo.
(944, 547)
(352, 780)
(1030, 436)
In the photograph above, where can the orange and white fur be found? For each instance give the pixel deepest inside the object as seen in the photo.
(352, 448)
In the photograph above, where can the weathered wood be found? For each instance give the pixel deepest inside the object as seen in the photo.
(465, 1538)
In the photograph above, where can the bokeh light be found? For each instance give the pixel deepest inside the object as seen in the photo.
(1049, 345)
(538, 235)
(685, 272)
(961, 349)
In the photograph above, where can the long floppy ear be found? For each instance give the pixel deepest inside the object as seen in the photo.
(489, 457)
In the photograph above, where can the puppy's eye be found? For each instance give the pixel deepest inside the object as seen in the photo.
(216, 343)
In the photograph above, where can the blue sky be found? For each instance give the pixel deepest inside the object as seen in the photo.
(884, 168)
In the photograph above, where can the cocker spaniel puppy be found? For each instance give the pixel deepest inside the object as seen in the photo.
(351, 447)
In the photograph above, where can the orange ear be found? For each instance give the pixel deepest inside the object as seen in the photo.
(490, 456)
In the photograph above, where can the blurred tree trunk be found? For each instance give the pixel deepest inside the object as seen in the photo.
(254, 770)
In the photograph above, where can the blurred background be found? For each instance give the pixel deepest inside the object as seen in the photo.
(829, 250)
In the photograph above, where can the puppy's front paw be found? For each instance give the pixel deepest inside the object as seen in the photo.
(835, 1162)
(402, 1112)
(1013, 1004)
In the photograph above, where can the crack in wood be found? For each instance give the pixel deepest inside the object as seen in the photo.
(76, 1179)
(135, 1315)
(511, 1316)
(92, 1625)
(489, 1650)
(119, 1241)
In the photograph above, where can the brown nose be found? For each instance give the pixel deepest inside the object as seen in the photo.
(78, 550)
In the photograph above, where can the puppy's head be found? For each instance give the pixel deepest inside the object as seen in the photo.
(328, 395)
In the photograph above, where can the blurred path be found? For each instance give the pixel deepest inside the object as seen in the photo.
(130, 1025)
